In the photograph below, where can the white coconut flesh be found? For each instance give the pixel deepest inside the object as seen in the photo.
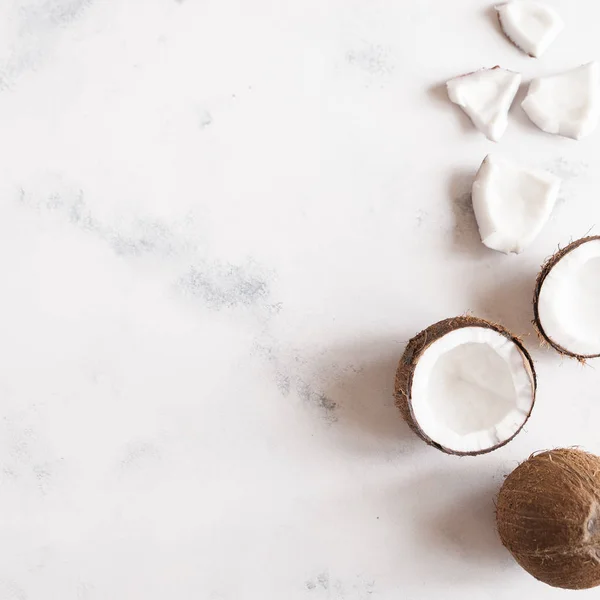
(530, 25)
(566, 104)
(486, 96)
(569, 301)
(472, 390)
(512, 203)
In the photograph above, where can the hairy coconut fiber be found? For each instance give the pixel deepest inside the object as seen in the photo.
(410, 358)
(548, 516)
(546, 268)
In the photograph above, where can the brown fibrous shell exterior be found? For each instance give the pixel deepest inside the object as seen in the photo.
(548, 517)
(414, 350)
(546, 268)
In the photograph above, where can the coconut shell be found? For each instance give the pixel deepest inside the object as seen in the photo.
(548, 517)
(417, 346)
(546, 268)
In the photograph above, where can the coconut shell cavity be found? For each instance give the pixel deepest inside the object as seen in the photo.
(465, 386)
(567, 300)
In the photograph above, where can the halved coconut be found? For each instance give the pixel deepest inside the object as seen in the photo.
(466, 386)
(567, 299)
(566, 104)
(530, 25)
(486, 96)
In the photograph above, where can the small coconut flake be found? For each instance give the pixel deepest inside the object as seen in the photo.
(512, 203)
(486, 96)
(529, 25)
(567, 299)
(465, 386)
(566, 104)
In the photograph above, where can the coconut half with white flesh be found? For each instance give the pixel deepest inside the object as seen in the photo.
(512, 203)
(530, 25)
(567, 300)
(465, 386)
(486, 97)
(566, 104)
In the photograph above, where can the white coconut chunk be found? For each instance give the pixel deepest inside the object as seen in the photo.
(472, 390)
(486, 96)
(512, 203)
(569, 301)
(531, 26)
(566, 104)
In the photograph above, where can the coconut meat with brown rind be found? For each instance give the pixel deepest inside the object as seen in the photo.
(466, 386)
(567, 299)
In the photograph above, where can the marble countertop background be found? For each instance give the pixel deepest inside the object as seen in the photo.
(220, 222)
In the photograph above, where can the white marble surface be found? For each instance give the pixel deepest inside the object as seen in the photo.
(220, 221)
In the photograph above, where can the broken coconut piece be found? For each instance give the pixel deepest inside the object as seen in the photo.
(486, 96)
(512, 203)
(566, 104)
(529, 25)
(567, 300)
(465, 386)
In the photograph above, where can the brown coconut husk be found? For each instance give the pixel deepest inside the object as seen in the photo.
(548, 517)
(546, 268)
(410, 358)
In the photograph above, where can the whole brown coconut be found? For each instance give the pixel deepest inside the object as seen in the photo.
(548, 516)
(413, 352)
